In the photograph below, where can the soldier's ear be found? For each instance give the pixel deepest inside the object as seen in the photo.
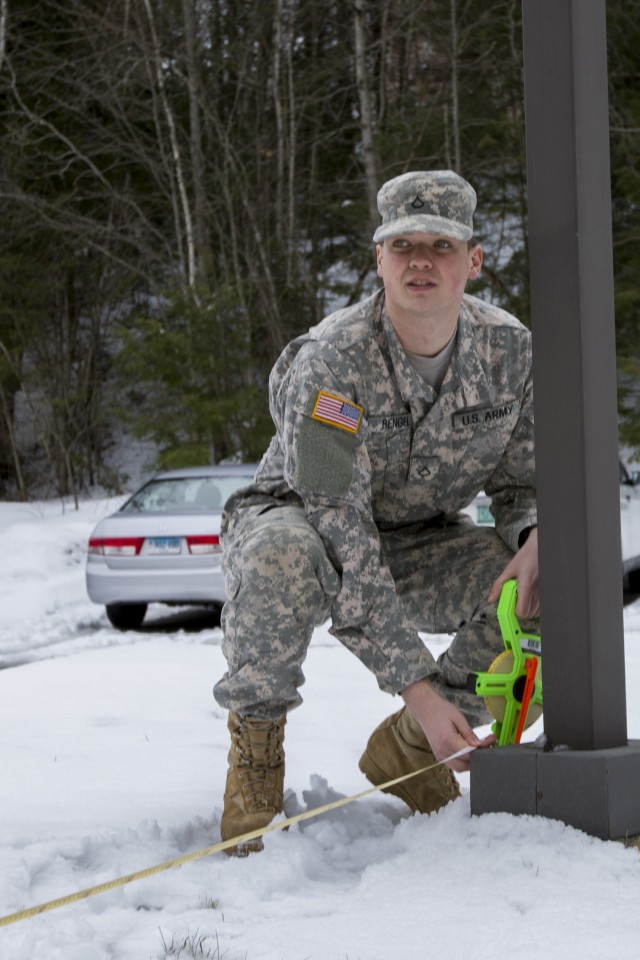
(475, 262)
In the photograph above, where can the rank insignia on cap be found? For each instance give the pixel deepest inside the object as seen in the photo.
(337, 412)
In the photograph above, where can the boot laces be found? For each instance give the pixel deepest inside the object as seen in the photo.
(260, 743)
(259, 753)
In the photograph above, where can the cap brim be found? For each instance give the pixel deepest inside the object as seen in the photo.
(422, 224)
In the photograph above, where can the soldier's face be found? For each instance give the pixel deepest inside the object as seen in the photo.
(425, 273)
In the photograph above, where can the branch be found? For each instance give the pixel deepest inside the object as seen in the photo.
(175, 152)
(4, 18)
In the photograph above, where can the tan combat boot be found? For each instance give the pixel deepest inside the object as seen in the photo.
(398, 746)
(255, 780)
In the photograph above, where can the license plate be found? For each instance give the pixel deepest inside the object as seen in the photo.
(484, 514)
(163, 545)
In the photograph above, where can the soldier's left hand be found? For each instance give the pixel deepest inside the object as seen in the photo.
(524, 569)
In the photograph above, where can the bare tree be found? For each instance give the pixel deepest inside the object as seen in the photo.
(366, 110)
(455, 102)
(4, 16)
(176, 153)
(205, 166)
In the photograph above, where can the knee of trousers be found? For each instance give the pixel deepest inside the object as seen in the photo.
(282, 568)
(280, 584)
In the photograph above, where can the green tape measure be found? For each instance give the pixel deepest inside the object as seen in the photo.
(512, 686)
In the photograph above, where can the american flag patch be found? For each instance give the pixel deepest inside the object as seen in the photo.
(337, 412)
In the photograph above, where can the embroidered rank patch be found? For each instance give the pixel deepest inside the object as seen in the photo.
(337, 412)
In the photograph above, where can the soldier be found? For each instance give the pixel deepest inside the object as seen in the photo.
(390, 417)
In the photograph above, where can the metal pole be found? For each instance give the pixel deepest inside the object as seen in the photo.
(594, 785)
(571, 269)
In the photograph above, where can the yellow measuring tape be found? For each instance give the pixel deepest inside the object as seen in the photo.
(216, 847)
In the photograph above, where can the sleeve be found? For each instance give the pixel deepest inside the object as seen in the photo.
(512, 484)
(326, 463)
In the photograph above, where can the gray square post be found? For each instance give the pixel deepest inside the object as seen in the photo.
(595, 783)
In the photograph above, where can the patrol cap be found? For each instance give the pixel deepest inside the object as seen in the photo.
(437, 201)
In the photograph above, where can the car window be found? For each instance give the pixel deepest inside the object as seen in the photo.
(184, 494)
(228, 485)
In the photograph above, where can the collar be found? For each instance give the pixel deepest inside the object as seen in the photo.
(465, 383)
(410, 384)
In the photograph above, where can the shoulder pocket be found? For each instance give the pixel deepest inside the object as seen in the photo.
(325, 458)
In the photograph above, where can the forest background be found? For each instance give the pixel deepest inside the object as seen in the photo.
(185, 185)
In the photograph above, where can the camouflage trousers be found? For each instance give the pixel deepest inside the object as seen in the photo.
(280, 585)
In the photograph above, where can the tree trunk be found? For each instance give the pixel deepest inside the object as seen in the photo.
(455, 102)
(175, 152)
(366, 112)
(203, 247)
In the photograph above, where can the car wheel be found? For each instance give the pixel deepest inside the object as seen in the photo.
(126, 616)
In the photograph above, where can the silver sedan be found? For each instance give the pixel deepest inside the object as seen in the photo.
(163, 544)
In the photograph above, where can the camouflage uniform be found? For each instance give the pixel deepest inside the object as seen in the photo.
(355, 509)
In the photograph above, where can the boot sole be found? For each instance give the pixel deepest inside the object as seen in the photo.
(244, 849)
(376, 776)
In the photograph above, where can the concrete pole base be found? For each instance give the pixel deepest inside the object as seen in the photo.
(597, 791)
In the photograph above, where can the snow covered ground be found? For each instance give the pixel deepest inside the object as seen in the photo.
(113, 759)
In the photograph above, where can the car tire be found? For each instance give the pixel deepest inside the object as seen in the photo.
(216, 610)
(126, 616)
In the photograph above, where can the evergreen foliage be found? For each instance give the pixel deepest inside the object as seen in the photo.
(186, 382)
(624, 97)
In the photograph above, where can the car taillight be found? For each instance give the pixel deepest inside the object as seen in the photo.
(209, 543)
(116, 546)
